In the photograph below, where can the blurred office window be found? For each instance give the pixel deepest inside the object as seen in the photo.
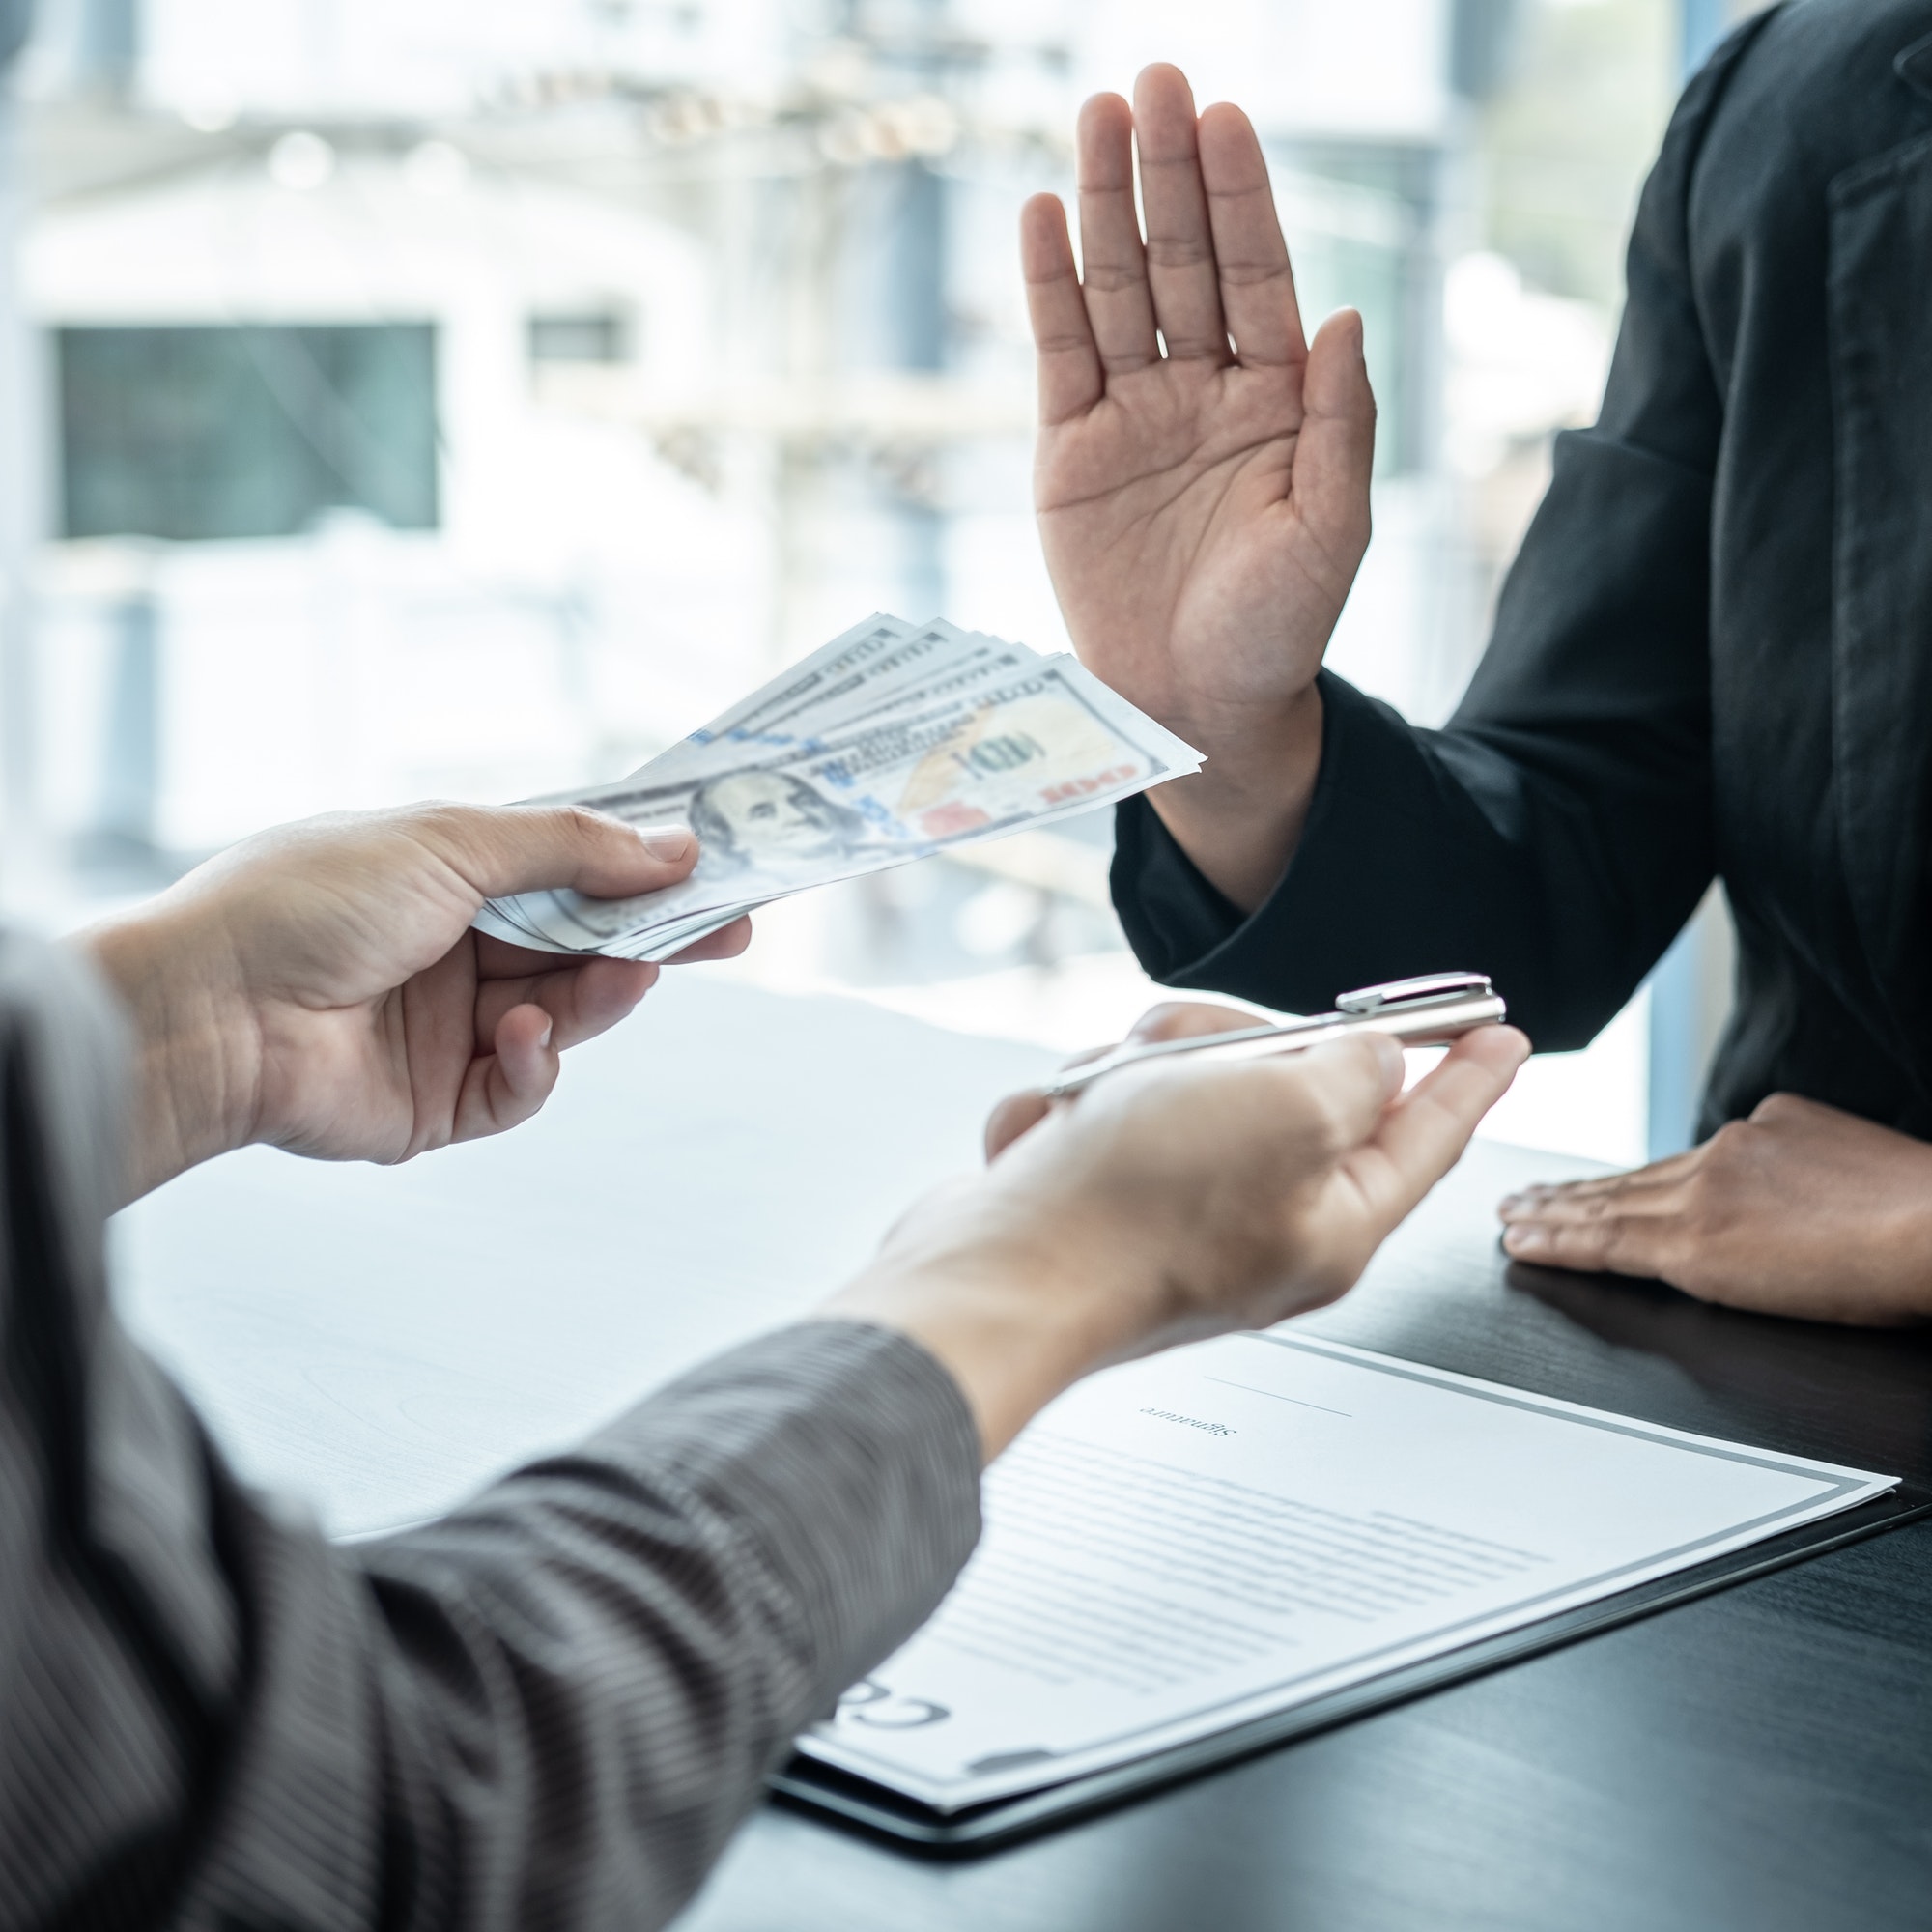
(464, 399)
(197, 433)
(603, 338)
(15, 20)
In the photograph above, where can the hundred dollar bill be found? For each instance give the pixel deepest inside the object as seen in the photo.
(881, 662)
(1004, 740)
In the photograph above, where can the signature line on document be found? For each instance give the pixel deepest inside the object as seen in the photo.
(1273, 1396)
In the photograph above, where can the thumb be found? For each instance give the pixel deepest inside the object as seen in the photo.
(1187, 1019)
(1336, 450)
(498, 850)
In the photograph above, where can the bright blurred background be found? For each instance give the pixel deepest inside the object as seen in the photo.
(468, 397)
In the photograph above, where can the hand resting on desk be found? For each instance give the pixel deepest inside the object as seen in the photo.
(1799, 1210)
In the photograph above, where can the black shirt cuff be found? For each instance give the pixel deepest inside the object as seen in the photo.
(1396, 873)
(1183, 930)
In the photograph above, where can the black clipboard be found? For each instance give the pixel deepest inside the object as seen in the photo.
(858, 1801)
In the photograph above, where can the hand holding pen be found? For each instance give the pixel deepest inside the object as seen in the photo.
(1431, 1010)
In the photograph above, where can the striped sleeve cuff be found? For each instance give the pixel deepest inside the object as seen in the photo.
(849, 1455)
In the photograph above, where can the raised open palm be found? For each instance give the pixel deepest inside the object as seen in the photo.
(1203, 472)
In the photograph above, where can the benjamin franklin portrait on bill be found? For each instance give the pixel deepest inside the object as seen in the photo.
(763, 817)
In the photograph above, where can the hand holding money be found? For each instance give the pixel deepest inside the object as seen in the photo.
(319, 988)
(891, 742)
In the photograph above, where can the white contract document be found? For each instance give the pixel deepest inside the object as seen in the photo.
(1190, 1542)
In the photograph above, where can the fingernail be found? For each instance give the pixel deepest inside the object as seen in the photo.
(543, 1039)
(1509, 1204)
(669, 843)
(1522, 1236)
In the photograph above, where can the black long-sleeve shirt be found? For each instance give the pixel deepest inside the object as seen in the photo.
(1714, 654)
(548, 1709)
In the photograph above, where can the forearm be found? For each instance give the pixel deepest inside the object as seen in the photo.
(633, 1631)
(1558, 863)
(1009, 1327)
(1239, 817)
(550, 1707)
(1018, 1291)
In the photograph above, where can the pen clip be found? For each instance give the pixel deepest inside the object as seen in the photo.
(1430, 989)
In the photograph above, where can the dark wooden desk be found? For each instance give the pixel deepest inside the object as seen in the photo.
(1761, 1759)
(384, 1339)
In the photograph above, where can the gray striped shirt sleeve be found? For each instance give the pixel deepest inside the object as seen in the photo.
(548, 1709)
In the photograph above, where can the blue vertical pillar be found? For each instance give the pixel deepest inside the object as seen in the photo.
(108, 45)
(916, 294)
(896, 284)
(1702, 24)
(1678, 1046)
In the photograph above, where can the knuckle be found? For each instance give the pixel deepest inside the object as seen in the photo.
(1185, 1019)
(1571, 1246)
(1169, 1020)
(1626, 1247)
(583, 825)
(441, 814)
(1740, 1154)
(447, 827)
(1175, 251)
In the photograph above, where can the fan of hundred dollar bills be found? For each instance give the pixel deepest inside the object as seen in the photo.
(893, 741)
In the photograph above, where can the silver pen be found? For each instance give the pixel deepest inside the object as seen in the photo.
(1428, 1011)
